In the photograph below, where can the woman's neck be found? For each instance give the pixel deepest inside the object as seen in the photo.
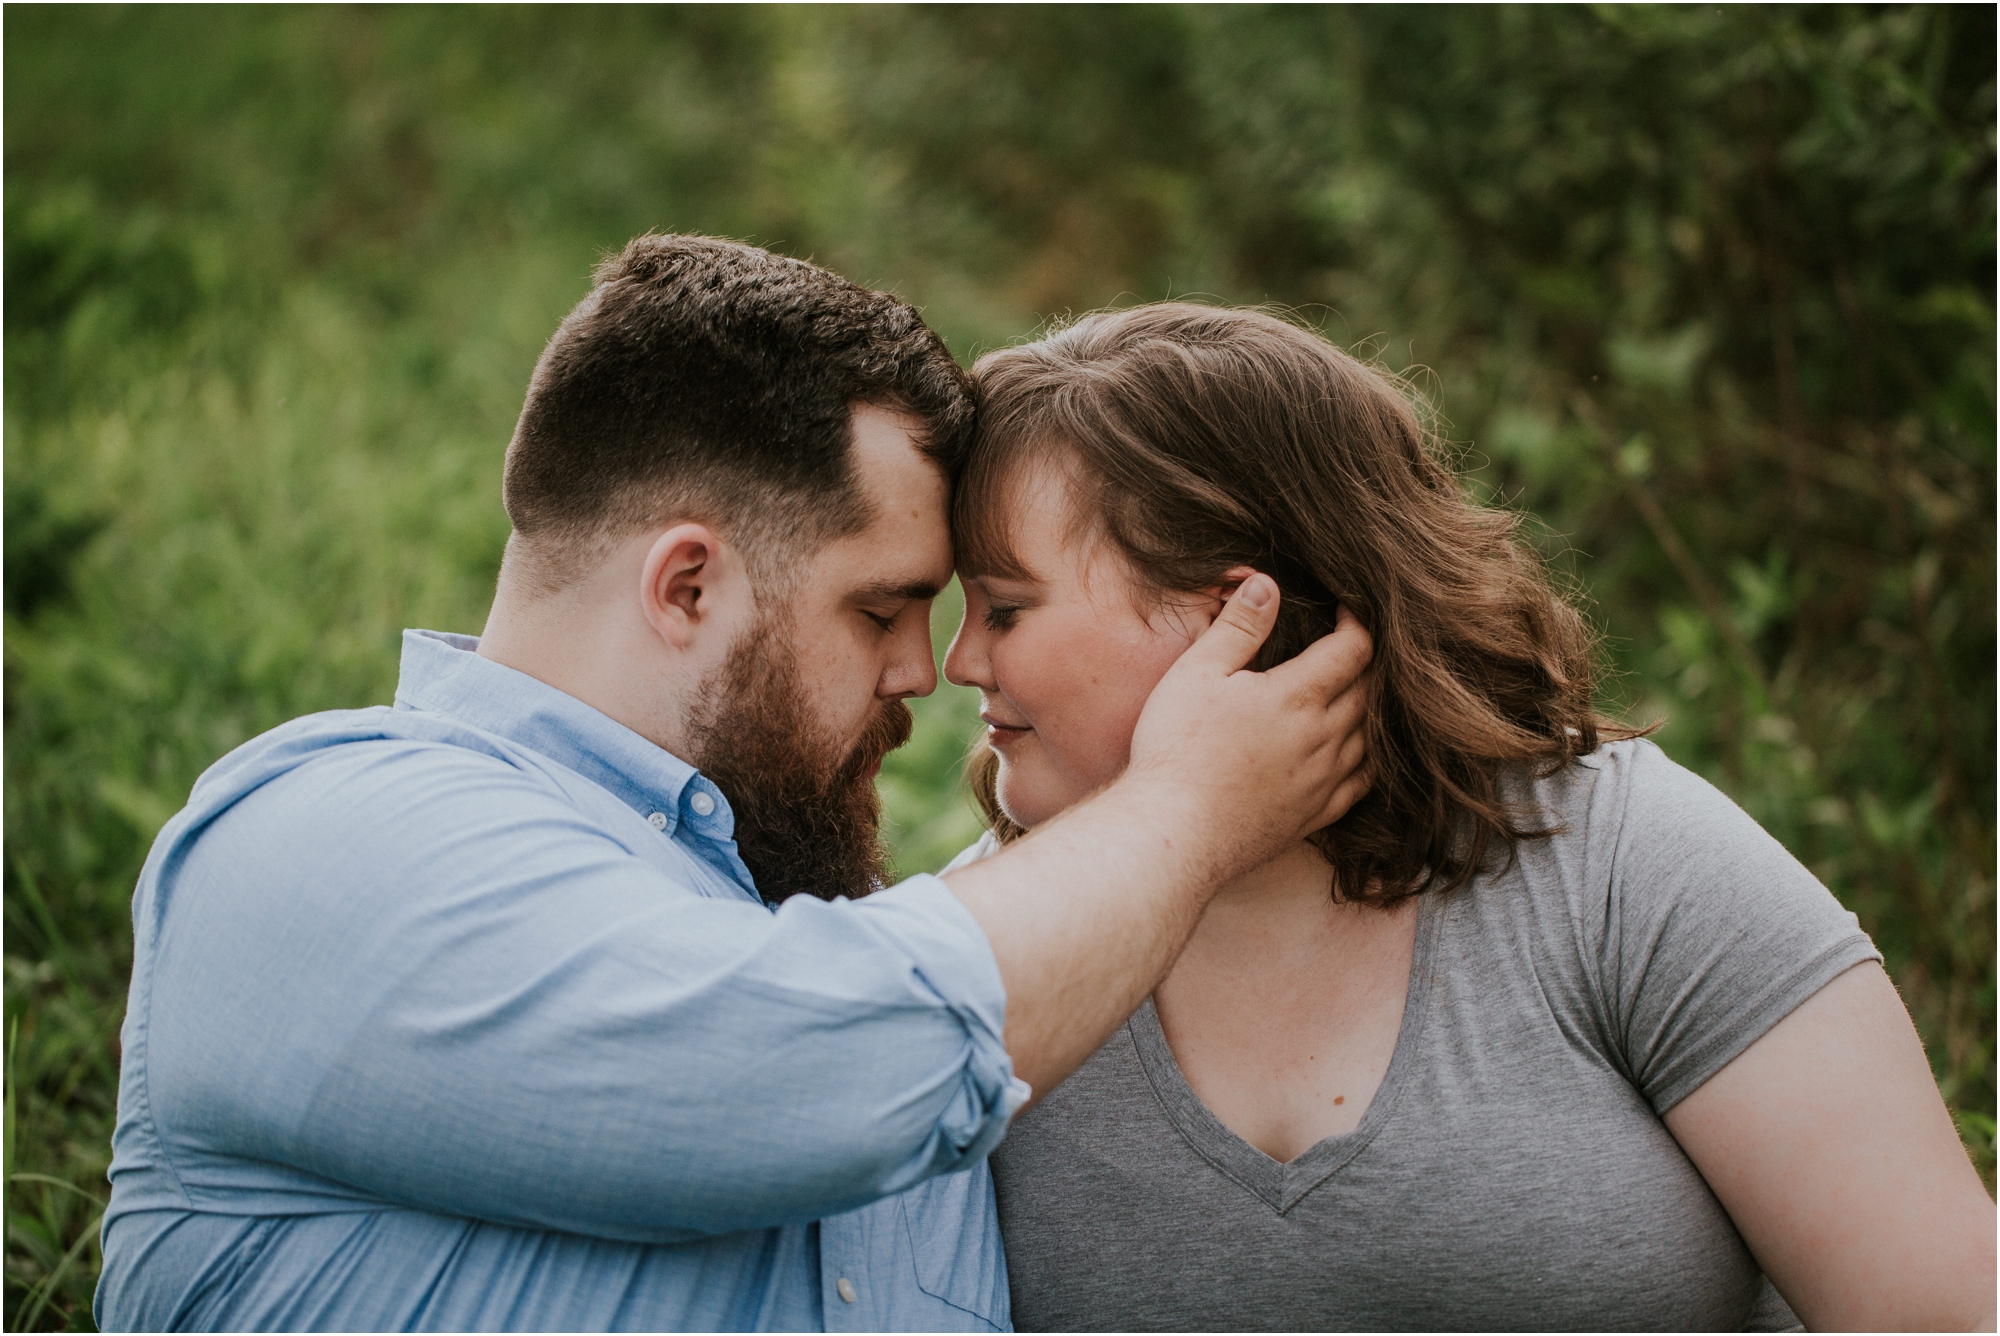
(1285, 907)
(1283, 1010)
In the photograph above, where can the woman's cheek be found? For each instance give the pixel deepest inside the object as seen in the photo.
(1089, 747)
(1116, 714)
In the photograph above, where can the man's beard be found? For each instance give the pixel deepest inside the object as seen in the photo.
(807, 816)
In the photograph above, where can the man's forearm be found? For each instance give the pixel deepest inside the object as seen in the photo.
(1086, 916)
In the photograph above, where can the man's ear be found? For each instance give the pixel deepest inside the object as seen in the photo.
(690, 585)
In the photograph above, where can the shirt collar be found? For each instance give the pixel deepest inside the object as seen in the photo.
(442, 673)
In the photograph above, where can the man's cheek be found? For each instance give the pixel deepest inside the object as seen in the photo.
(831, 698)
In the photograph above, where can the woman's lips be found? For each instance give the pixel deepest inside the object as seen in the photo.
(1001, 735)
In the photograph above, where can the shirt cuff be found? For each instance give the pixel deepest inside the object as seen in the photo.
(954, 965)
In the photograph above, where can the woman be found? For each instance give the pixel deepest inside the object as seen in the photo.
(1546, 1033)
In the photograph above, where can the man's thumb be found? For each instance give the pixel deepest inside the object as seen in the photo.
(1239, 630)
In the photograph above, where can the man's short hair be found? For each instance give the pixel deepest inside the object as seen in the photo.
(703, 379)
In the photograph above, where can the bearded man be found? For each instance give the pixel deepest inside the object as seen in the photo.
(563, 994)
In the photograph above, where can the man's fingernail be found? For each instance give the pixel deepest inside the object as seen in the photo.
(1256, 591)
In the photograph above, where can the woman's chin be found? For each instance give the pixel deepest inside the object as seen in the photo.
(1026, 818)
(1027, 804)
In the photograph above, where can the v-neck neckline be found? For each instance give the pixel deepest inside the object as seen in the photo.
(1282, 1186)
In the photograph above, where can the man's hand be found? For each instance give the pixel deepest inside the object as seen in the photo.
(1229, 768)
(1271, 756)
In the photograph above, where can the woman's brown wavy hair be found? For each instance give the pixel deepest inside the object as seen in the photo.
(1200, 438)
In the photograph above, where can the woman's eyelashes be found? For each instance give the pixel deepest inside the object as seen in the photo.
(1000, 616)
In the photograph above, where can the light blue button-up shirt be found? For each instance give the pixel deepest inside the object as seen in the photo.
(464, 1015)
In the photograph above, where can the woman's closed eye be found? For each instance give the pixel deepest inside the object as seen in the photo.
(1000, 616)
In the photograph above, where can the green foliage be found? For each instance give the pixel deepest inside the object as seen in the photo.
(1709, 292)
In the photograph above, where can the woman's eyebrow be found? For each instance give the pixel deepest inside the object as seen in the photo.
(1021, 585)
(1012, 574)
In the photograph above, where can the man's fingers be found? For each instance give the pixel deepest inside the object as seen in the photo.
(1356, 770)
(1331, 664)
(1239, 630)
(1352, 701)
(1351, 791)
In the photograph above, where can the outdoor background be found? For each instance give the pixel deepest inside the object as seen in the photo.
(1708, 293)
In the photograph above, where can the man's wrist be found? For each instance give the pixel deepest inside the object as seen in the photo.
(1168, 815)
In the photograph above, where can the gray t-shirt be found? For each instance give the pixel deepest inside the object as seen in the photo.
(1512, 1171)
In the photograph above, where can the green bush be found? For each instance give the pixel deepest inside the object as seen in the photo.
(1709, 293)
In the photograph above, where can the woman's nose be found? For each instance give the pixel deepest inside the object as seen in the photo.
(965, 663)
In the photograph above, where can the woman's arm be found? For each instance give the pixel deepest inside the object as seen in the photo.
(1828, 1145)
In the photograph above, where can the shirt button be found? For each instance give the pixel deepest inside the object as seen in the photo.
(702, 804)
(658, 821)
(846, 1288)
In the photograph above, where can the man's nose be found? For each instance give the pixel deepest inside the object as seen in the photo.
(914, 673)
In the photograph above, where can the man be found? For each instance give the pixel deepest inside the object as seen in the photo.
(556, 996)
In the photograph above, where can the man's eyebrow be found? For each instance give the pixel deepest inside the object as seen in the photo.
(890, 590)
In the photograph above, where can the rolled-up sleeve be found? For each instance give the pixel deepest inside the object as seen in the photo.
(460, 994)
(957, 972)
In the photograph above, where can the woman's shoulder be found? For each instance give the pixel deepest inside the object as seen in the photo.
(1628, 803)
(1647, 807)
(1630, 767)
(1631, 830)
(1698, 927)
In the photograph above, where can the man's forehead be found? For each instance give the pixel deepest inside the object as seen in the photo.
(889, 461)
(876, 570)
(891, 565)
(905, 551)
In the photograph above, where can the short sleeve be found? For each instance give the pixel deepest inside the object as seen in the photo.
(1713, 931)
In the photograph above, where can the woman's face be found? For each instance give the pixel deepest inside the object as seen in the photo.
(1064, 660)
